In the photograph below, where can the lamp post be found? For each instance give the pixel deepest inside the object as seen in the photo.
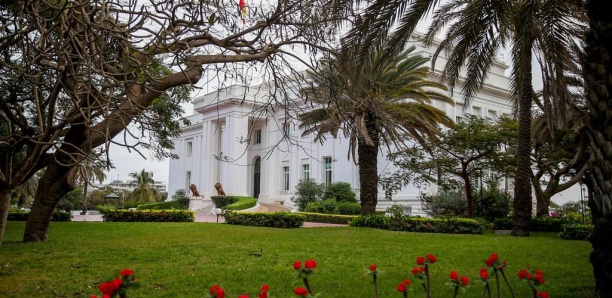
(218, 212)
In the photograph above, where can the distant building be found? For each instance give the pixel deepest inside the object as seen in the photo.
(230, 140)
(130, 185)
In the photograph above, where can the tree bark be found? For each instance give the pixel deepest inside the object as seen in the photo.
(542, 203)
(597, 72)
(54, 182)
(468, 195)
(368, 177)
(5, 202)
(84, 201)
(522, 179)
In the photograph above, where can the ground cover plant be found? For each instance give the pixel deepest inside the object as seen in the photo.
(187, 259)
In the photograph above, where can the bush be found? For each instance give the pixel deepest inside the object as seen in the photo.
(348, 208)
(341, 192)
(327, 207)
(451, 225)
(548, 224)
(222, 201)
(307, 191)
(494, 204)
(265, 219)
(370, 221)
(242, 203)
(149, 216)
(502, 223)
(104, 208)
(444, 204)
(178, 204)
(576, 231)
(21, 215)
(328, 218)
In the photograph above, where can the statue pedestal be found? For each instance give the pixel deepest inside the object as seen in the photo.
(198, 202)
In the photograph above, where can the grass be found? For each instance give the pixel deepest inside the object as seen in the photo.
(185, 259)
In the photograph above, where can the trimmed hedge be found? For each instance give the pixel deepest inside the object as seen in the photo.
(176, 204)
(576, 231)
(538, 224)
(328, 218)
(23, 216)
(222, 201)
(149, 216)
(242, 203)
(265, 219)
(420, 224)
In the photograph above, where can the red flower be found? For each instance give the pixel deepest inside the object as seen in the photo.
(483, 273)
(542, 295)
(310, 264)
(494, 256)
(127, 272)
(401, 287)
(373, 267)
(415, 270)
(107, 288)
(217, 291)
(432, 259)
(263, 295)
(265, 288)
(407, 282)
(522, 274)
(464, 281)
(422, 269)
(117, 282)
(297, 265)
(490, 261)
(301, 292)
(454, 275)
(420, 261)
(243, 296)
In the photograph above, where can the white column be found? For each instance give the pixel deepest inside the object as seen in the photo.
(235, 176)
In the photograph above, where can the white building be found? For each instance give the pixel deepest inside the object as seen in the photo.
(233, 140)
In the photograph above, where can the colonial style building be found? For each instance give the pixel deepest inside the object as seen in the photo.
(260, 152)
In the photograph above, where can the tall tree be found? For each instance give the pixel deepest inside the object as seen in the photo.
(94, 70)
(144, 191)
(380, 100)
(89, 170)
(473, 146)
(597, 71)
(476, 30)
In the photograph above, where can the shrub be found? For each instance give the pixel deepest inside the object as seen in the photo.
(449, 225)
(444, 204)
(328, 206)
(547, 224)
(328, 218)
(494, 203)
(242, 203)
(149, 216)
(347, 208)
(222, 201)
(341, 192)
(179, 204)
(504, 223)
(576, 231)
(104, 208)
(265, 219)
(370, 221)
(21, 215)
(307, 191)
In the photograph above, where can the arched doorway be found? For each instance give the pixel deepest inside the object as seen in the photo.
(256, 177)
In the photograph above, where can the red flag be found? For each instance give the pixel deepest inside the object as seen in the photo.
(243, 10)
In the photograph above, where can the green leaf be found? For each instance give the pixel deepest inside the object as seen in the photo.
(211, 19)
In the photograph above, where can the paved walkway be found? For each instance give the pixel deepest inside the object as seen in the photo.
(213, 218)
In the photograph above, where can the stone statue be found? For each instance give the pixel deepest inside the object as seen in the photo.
(219, 189)
(194, 190)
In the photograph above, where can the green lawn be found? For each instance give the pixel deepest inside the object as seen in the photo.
(185, 259)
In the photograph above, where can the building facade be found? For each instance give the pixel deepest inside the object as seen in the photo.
(252, 149)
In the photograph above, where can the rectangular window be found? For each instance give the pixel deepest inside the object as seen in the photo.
(492, 114)
(287, 129)
(188, 179)
(258, 136)
(328, 170)
(458, 119)
(477, 111)
(305, 171)
(286, 178)
(189, 147)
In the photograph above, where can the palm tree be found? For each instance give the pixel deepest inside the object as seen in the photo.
(87, 171)
(382, 104)
(597, 72)
(476, 31)
(27, 190)
(144, 191)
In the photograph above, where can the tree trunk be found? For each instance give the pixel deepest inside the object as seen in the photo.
(522, 179)
(368, 177)
(542, 203)
(84, 204)
(51, 187)
(5, 202)
(468, 195)
(597, 71)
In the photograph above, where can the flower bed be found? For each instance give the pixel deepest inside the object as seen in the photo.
(149, 216)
